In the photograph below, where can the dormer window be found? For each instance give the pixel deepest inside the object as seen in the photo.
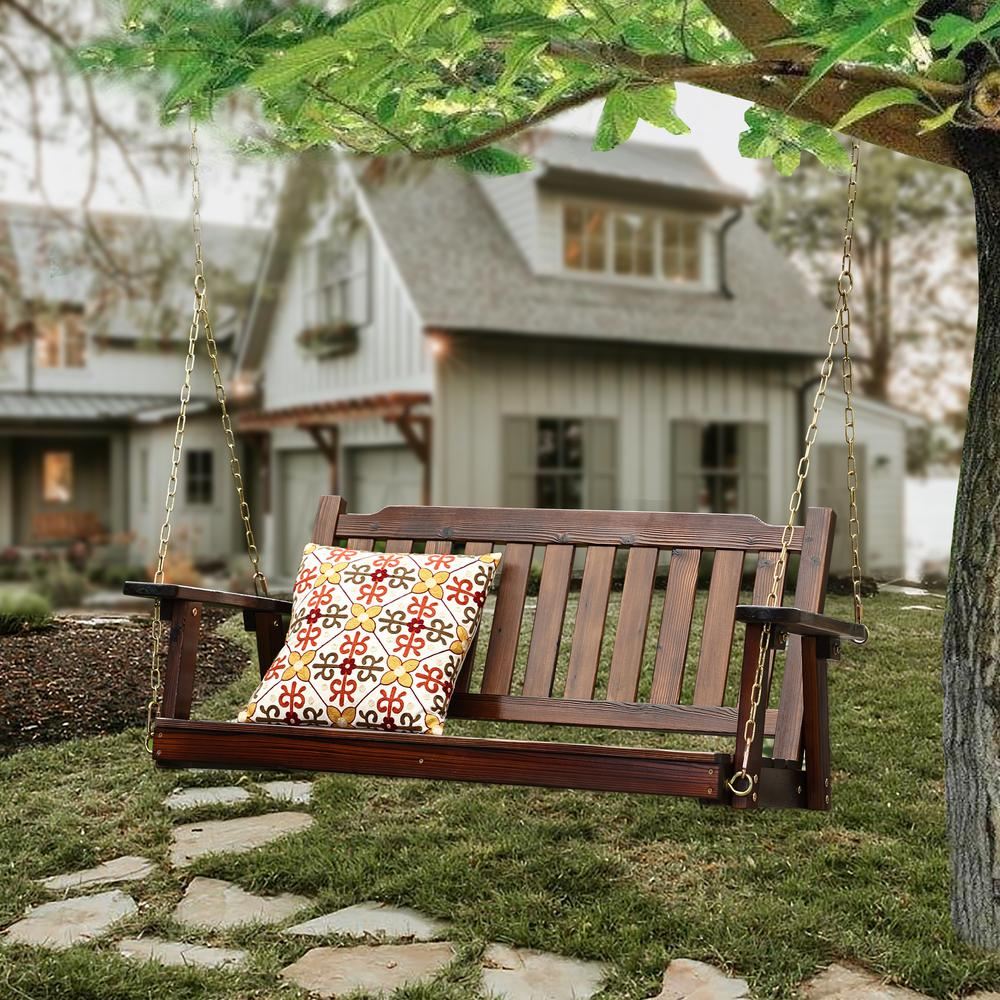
(61, 343)
(637, 243)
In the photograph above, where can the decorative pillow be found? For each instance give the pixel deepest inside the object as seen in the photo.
(376, 640)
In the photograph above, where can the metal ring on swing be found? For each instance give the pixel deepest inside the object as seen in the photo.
(845, 283)
(864, 638)
(740, 793)
(199, 285)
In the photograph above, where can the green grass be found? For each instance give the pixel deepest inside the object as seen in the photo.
(23, 611)
(627, 880)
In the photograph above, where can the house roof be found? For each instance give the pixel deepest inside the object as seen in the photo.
(80, 407)
(49, 258)
(465, 273)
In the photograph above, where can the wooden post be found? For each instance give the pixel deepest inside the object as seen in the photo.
(330, 447)
(182, 650)
(751, 654)
(815, 726)
(270, 632)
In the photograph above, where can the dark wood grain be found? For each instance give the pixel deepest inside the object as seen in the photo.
(361, 544)
(571, 527)
(675, 626)
(717, 634)
(633, 621)
(437, 547)
(469, 663)
(403, 545)
(591, 617)
(815, 727)
(798, 622)
(329, 512)
(174, 591)
(498, 671)
(269, 629)
(550, 611)
(810, 595)
(184, 624)
(745, 709)
(695, 719)
(185, 743)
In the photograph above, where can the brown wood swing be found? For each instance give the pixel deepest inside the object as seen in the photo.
(796, 774)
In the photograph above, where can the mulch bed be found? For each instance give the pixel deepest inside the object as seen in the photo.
(80, 678)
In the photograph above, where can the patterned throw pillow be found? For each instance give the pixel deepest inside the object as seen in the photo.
(376, 640)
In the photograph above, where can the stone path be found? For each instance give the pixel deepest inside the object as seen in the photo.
(333, 972)
(217, 905)
(374, 920)
(298, 793)
(190, 798)
(67, 922)
(126, 869)
(520, 974)
(686, 979)
(233, 836)
(154, 949)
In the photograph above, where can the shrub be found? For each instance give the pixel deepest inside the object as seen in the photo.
(62, 585)
(23, 611)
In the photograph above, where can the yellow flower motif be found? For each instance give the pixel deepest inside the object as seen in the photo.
(247, 714)
(430, 583)
(341, 719)
(399, 672)
(311, 547)
(434, 725)
(491, 558)
(330, 573)
(461, 644)
(362, 617)
(298, 665)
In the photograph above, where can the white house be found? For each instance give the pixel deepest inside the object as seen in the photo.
(607, 330)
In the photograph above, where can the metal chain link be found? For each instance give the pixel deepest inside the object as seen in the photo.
(741, 784)
(199, 320)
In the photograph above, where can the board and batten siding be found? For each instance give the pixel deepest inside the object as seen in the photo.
(643, 392)
(392, 354)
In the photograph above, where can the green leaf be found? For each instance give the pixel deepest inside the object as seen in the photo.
(521, 53)
(758, 145)
(493, 160)
(786, 160)
(656, 105)
(939, 121)
(947, 71)
(618, 120)
(386, 108)
(879, 100)
(640, 38)
(296, 64)
(954, 32)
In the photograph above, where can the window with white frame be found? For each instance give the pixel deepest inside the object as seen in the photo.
(340, 265)
(632, 243)
(61, 343)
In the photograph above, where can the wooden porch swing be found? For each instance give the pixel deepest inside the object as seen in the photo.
(795, 775)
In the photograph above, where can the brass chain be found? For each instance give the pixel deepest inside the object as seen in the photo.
(199, 320)
(741, 784)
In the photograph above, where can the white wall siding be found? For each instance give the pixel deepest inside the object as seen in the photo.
(515, 199)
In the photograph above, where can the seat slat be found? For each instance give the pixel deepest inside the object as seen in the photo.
(591, 616)
(507, 614)
(549, 614)
(469, 664)
(633, 622)
(701, 720)
(675, 627)
(720, 621)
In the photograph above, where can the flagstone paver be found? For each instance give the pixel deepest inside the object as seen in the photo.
(299, 793)
(66, 922)
(153, 949)
(374, 920)
(235, 836)
(845, 982)
(520, 974)
(216, 904)
(686, 979)
(125, 869)
(190, 798)
(333, 972)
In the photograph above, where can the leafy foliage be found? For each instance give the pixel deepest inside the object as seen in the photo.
(449, 77)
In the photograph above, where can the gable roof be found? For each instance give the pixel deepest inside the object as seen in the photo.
(466, 274)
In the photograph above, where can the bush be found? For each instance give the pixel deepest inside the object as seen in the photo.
(62, 585)
(23, 611)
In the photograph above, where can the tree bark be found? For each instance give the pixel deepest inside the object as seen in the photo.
(971, 670)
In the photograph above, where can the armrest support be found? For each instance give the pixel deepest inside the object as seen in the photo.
(176, 592)
(796, 622)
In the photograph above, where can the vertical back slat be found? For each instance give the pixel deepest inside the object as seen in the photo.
(675, 627)
(514, 569)
(810, 595)
(403, 545)
(469, 663)
(633, 621)
(549, 613)
(720, 620)
(765, 576)
(327, 514)
(588, 632)
(437, 548)
(361, 544)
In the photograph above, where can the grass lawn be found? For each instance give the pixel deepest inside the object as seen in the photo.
(630, 881)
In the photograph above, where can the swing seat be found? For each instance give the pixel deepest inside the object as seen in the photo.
(796, 774)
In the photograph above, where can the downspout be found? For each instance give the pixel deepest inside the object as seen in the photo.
(724, 289)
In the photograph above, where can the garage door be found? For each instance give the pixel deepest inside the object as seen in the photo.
(383, 476)
(304, 476)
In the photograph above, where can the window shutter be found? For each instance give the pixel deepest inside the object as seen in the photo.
(600, 463)
(753, 469)
(685, 464)
(520, 453)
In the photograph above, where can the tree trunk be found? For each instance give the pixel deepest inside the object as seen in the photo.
(971, 672)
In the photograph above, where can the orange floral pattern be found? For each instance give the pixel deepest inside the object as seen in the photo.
(376, 640)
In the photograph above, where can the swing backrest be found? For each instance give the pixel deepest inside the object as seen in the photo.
(610, 670)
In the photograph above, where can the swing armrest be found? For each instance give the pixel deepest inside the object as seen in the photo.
(806, 623)
(176, 592)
